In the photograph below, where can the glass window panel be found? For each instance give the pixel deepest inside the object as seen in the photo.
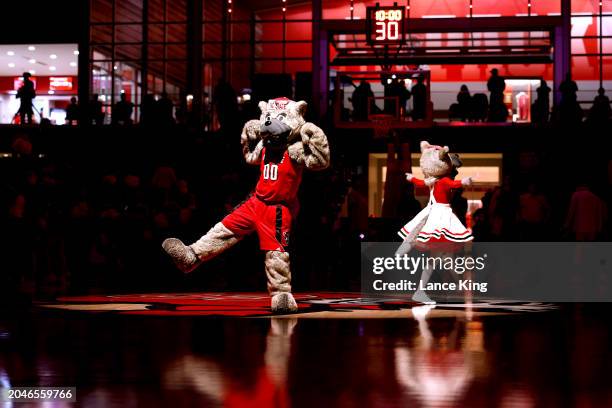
(176, 32)
(176, 73)
(241, 32)
(585, 68)
(298, 50)
(156, 10)
(269, 31)
(267, 50)
(101, 11)
(607, 71)
(241, 51)
(500, 8)
(212, 32)
(298, 66)
(101, 34)
(128, 33)
(211, 51)
(128, 52)
(155, 52)
(176, 51)
(585, 6)
(585, 46)
(176, 10)
(269, 67)
(156, 33)
(128, 11)
(545, 7)
(101, 53)
(299, 31)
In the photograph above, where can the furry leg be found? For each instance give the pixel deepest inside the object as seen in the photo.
(405, 248)
(187, 258)
(420, 295)
(278, 273)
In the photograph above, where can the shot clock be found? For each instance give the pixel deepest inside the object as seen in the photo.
(385, 25)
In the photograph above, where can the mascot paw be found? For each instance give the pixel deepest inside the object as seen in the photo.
(467, 181)
(283, 303)
(183, 256)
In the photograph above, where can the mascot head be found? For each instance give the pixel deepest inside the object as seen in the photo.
(436, 161)
(280, 121)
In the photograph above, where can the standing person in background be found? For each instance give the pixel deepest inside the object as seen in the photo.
(496, 86)
(147, 110)
(419, 99)
(226, 103)
(533, 214)
(586, 215)
(164, 108)
(72, 112)
(600, 111)
(96, 110)
(569, 110)
(26, 94)
(122, 111)
(464, 102)
(540, 109)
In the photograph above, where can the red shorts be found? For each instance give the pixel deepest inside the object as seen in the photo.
(271, 221)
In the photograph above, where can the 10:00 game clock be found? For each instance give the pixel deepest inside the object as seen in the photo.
(385, 25)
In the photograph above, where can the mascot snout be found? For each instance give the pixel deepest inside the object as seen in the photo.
(274, 131)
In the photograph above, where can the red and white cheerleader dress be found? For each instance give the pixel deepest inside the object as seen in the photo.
(436, 222)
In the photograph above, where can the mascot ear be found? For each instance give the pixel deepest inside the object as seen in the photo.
(263, 106)
(301, 107)
(455, 160)
(425, 145)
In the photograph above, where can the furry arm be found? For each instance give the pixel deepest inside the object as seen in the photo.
(251, 142)
(313, 150)
(416, 181)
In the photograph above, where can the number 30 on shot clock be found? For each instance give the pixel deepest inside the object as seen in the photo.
(385, 25)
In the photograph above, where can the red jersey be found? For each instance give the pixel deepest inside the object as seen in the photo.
(278, 182)
(441, 189)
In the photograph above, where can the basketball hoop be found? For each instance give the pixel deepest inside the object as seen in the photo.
(381, 123)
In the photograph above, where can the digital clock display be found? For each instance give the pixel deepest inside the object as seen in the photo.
(385, 25)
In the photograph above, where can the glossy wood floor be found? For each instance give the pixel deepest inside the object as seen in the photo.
(552, 358)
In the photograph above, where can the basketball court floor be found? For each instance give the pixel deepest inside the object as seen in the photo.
(339, 350)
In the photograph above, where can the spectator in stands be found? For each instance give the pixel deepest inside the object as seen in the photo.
(419, 99)
(600, 111)
(464, 104)
(540, 109)
(586, 215)
(96, 112)
(164, 109)
(122, 111)
(569, 110)
(72, 112)
(26, 94)
(360, 99)
(496, 86)
(534, 213)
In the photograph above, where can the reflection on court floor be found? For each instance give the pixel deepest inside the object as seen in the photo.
(311, 305)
